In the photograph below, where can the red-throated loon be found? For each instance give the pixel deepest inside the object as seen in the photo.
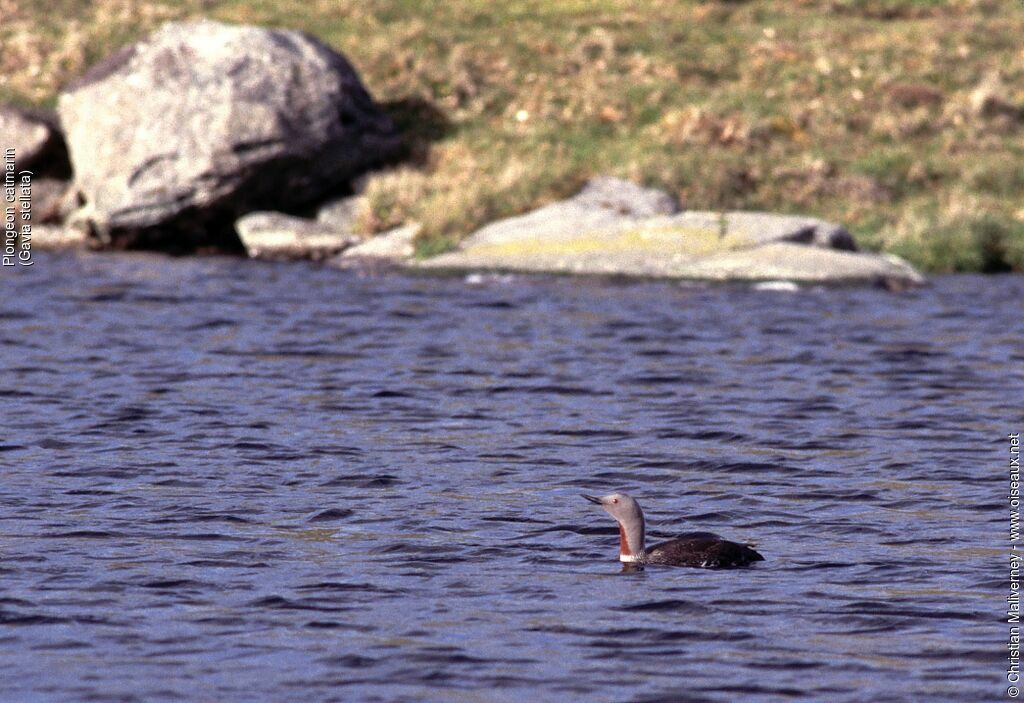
(701, 549)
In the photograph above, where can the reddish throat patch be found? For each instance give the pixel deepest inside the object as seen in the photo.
(623, 542)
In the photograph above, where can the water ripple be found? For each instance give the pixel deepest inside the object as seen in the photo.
(275, 481)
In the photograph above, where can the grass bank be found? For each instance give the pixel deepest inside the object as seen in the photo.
(903, 119)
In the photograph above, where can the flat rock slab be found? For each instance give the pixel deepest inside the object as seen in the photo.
(663, 249)
(57, 237)
(274, 235)
(589, 235)
(783, 261)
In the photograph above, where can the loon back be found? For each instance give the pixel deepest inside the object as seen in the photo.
(701, 549)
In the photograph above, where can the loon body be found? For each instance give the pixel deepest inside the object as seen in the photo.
(701, 549)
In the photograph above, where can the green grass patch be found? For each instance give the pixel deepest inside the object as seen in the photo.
(980, 243)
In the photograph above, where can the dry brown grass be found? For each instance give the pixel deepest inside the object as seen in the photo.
(903, 119)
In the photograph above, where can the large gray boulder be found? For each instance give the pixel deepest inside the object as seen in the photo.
(175, 137)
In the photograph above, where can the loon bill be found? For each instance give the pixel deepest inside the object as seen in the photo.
(701, 549)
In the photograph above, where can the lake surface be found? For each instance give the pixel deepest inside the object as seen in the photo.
(233, 481)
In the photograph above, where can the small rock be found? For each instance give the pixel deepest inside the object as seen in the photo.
(625, 198)
(481, 279)
(777, 286)
(341, 213)
(274, 235)
(52, 237)
(394, 245)
(602, 203)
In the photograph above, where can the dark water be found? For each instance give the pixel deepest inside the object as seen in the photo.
(231, 481)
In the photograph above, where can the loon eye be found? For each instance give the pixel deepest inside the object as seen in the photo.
(615, 500)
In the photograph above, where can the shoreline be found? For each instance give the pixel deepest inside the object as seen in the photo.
(719, 105)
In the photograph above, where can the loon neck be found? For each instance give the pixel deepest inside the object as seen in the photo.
(631, 541)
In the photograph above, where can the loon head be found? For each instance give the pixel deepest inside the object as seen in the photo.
(630, 517)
